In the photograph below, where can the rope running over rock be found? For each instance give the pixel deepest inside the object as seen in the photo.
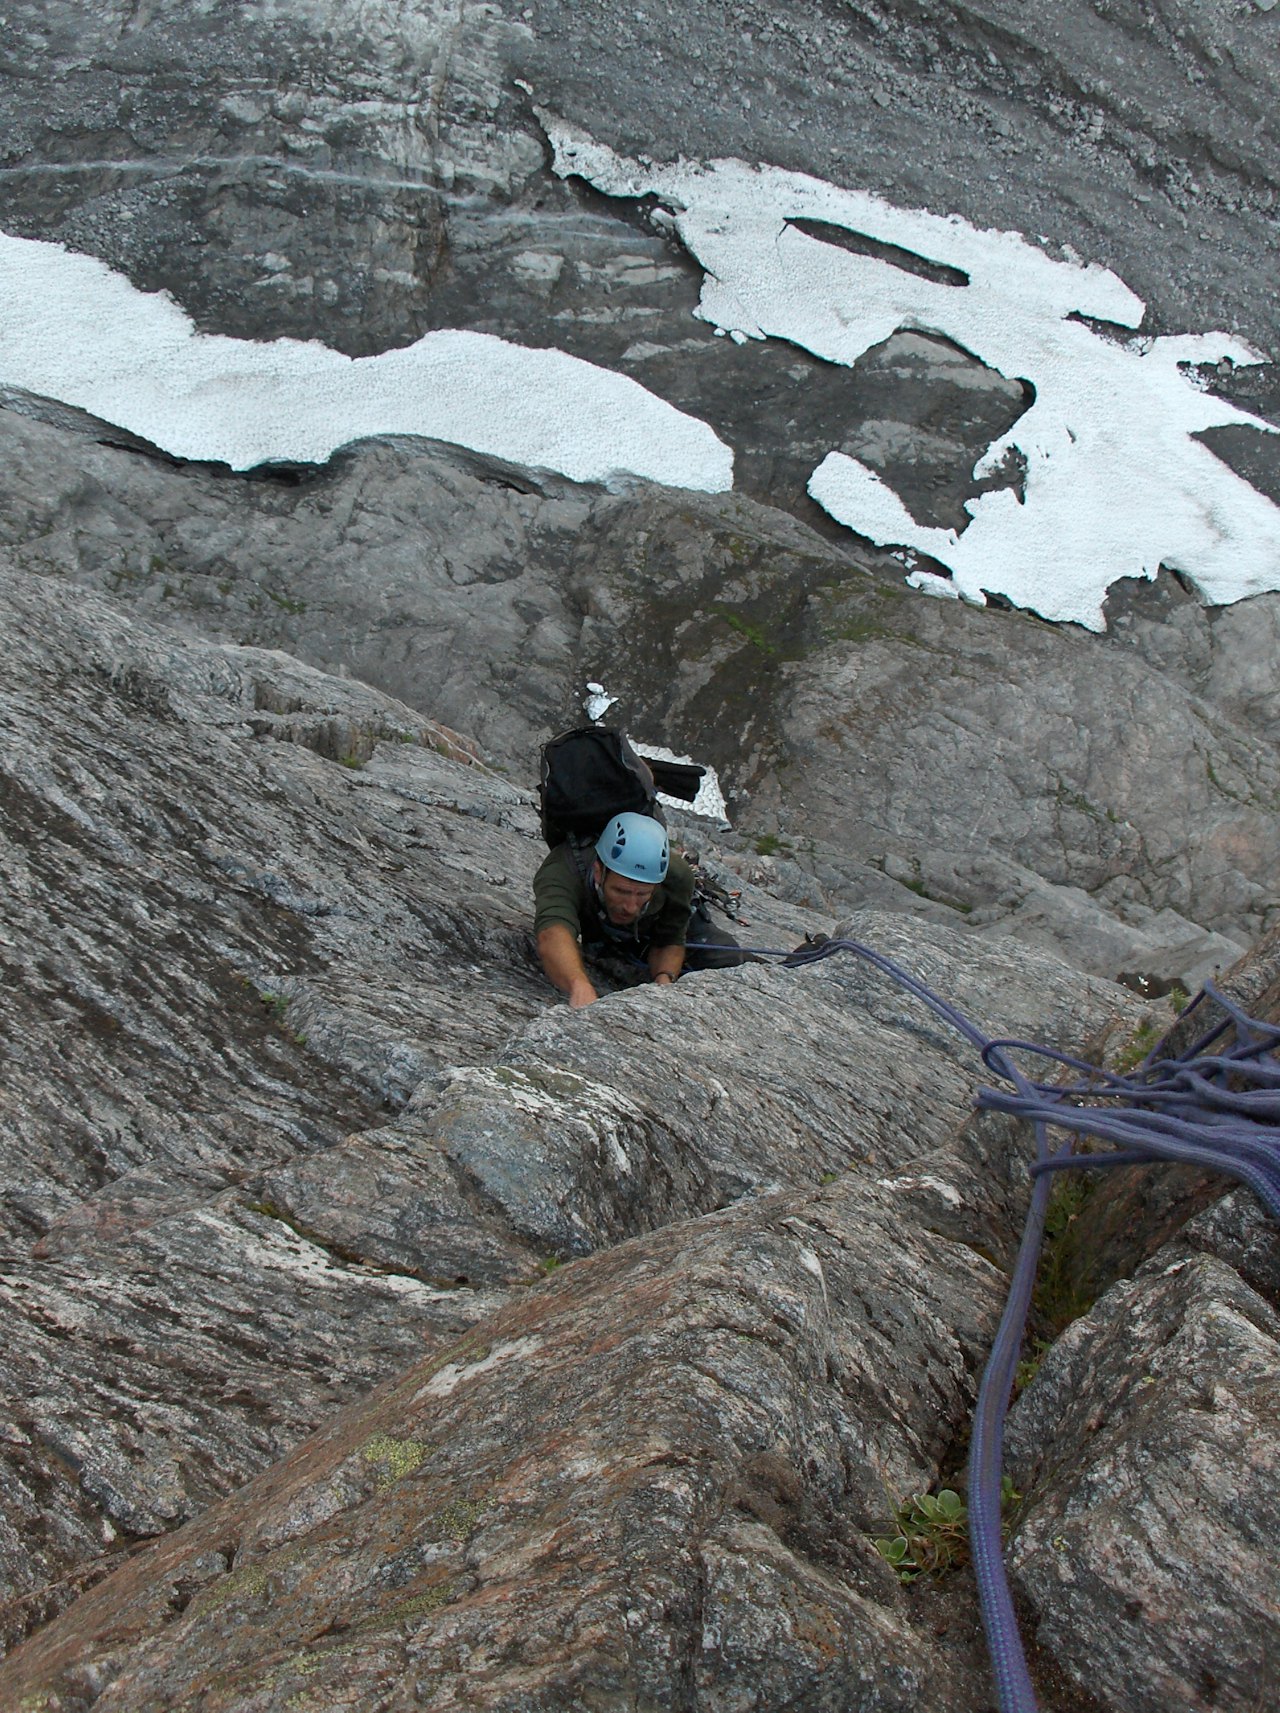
(1217, 1109)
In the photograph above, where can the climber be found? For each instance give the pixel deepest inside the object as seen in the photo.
(630, 895)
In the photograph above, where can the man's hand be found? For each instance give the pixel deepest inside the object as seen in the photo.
(665, 963)
(561, 958)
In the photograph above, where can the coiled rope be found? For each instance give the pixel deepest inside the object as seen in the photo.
(1212, 1108)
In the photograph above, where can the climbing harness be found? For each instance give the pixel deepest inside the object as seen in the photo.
(1215, 1104)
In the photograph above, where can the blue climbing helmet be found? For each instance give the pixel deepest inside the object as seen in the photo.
(635, 846)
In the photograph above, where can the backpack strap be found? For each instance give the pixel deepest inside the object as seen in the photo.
(580, 854)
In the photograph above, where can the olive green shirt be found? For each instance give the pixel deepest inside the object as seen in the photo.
(562, 894)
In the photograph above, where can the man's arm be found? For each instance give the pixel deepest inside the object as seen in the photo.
(561, 959)
(558, 894)
(665, 963)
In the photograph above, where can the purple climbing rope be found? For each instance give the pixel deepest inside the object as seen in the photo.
(1216, 1109)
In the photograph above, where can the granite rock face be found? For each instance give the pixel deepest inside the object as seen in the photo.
(379, 1332)
(1145, 1558)
(663, 1304)
(175, 956)
(975, 767)
(362, 174)
(649, 1482)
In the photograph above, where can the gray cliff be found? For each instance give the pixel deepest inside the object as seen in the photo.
(379, 1333)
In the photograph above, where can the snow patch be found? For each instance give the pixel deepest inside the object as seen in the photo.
(929, 583)
(1116, 482)
(71, 329)
(1116, 485)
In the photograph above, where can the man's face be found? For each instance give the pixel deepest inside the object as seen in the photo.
(624, 900)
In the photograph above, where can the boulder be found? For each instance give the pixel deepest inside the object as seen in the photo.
(1144, 1549)
(198, 866)
(651, 1480)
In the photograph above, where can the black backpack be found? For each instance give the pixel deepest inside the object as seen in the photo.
(592, 773)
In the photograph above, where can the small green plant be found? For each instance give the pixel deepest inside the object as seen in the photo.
(1148, 1035)
(393, 1459)
(754, 634)
(1066, 1204)
(931, 1532)
(1138, 1046)
(1062, 1293)
(1029, 1367)
(864, 630)
(931, 1535)
(768, 844)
